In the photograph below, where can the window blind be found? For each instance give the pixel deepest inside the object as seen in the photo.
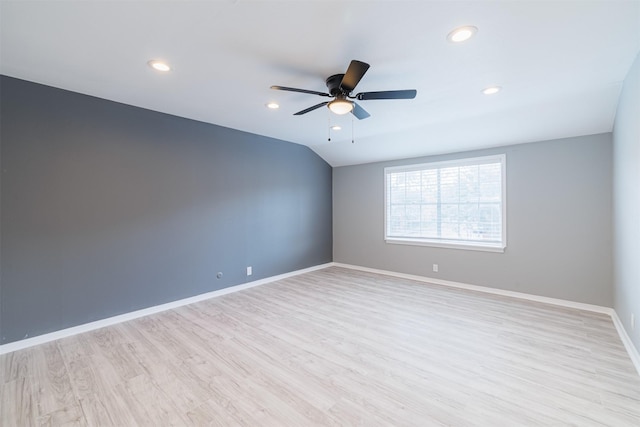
(454, 203)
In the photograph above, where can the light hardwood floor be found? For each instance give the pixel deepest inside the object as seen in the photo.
(333, 347)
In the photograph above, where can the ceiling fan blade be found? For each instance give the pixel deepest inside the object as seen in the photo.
(388, 94)
(306, 110)
(359, 112)
(293, 89)
(353, 75)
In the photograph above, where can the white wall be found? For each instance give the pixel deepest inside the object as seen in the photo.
(626, 202)
(559, 223)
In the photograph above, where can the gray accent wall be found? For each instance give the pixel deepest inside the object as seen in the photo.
(109, 208)
(626, 205)
(559, 223)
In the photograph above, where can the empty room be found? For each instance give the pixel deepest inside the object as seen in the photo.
(320, 213)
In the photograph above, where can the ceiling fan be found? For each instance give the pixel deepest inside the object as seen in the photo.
(340, 87)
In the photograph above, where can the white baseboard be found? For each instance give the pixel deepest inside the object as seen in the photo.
(487, 290)
(63, 333)
(633, 352)
(626, 340)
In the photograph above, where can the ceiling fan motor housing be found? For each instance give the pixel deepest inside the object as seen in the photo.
(333, 84)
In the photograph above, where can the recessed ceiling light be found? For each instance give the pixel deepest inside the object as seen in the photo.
(336, 127)
(159, 65)
(491, 90)
(461, 34)
(272, 105)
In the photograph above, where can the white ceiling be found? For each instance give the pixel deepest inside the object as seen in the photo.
(561, 64)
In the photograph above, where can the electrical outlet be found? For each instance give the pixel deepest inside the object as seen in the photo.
(249, 271)
(435, 268)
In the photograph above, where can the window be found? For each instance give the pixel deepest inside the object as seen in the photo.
(456, 204)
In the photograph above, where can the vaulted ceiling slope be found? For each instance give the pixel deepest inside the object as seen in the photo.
(560, 65)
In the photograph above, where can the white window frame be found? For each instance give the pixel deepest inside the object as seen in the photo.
(447, 243)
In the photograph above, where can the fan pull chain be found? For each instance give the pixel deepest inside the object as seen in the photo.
(329, 126)
(352, 140)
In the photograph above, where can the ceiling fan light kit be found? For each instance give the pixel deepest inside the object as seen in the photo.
(341, 86)
(340, 106)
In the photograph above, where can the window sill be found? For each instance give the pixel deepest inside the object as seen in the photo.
(448, 244)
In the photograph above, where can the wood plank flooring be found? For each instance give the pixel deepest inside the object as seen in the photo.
(332, 347)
